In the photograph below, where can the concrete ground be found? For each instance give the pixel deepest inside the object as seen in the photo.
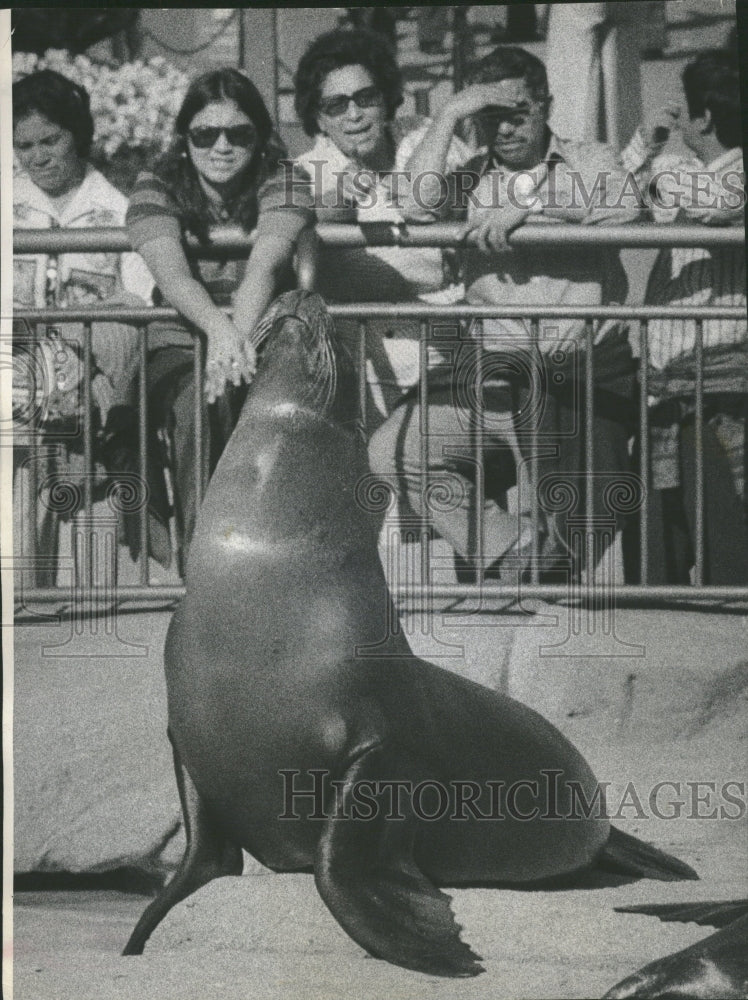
(659, 697)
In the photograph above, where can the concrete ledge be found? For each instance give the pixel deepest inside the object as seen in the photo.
(94, 785)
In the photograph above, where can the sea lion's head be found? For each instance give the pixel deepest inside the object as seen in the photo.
(302, 360)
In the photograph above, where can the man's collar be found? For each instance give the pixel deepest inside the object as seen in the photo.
(485, 160)
(555, 151)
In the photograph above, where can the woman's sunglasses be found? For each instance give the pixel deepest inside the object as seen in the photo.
(237, 135)
(334, 107)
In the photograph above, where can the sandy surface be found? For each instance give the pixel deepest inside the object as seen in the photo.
(667, 702)
(271, 936)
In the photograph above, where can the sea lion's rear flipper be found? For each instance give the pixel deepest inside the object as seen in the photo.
(208, 855)
(710, 914)
(628, 855)
(366, 875)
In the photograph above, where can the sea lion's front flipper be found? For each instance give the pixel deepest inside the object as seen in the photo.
(208, 855)
(366, 875)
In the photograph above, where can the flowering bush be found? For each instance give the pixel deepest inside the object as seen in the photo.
(133, 105)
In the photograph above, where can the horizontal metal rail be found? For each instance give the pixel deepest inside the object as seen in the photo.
(632, 593)
(405, 310)
(114, 239)
(438, 234)
(227, 240)
(447, 234)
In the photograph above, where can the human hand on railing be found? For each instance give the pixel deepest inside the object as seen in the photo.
(490, 228)
(657, 129)
(229, 359)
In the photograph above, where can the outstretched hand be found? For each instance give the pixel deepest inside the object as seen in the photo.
(230, 358)
(657, 129)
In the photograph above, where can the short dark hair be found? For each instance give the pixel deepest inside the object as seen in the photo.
(335, 50)
(712, 84)
(63, 102)
(508, 62)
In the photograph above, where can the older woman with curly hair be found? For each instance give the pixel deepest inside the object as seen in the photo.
(348, 88)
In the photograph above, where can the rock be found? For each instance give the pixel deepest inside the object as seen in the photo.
(94, 784)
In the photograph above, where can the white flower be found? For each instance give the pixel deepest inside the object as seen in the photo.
(134, 104)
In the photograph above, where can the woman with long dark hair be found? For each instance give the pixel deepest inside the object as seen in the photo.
(223, 168)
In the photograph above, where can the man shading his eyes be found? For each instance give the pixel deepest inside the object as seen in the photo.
(524, 171)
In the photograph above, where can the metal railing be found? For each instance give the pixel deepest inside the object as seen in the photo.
(230, 242)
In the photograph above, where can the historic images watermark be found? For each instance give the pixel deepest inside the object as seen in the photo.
(432, 191)
(549, 797)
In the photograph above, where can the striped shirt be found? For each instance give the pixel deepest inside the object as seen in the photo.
(687, 190)
(284, 208)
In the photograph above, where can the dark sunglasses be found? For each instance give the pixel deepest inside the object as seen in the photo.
(237, 135)
(494, 114)
(334, 107)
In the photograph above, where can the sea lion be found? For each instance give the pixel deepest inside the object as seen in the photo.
(713, 969)
(284, 663)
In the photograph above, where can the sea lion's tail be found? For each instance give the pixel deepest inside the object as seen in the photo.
(628, 855)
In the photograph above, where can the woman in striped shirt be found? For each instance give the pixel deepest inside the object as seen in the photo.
(223, 168)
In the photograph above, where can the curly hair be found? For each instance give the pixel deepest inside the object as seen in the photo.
(176, 170)
(509, 62)
(58, 99)
(335, 50)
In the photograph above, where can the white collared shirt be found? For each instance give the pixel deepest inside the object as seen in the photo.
(351, 274)
(79, 278)
(697, 276)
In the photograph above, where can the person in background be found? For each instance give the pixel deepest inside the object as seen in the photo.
(223, 168)
(525, 172)
(348, 90)
(55, 186)
(707, 189)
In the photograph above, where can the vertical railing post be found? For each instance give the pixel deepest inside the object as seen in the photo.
(534, 460)
(30, 540)
(699, 456)
(589, 555)
(143, 452)
(361, 373)
(644, 516)
(459, 47)
(423, 423)
(480, 477)
(88, 464)
(197, 375)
